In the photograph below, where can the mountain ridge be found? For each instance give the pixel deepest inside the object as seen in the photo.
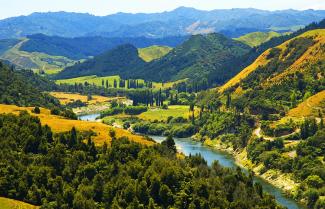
(231, 21)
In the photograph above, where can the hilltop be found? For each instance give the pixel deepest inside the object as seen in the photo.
(121, 60)
(153, 52)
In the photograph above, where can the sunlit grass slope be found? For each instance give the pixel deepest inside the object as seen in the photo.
(257, 38)
(6, 203)
(66, 98)
(59, 124)
(153, 52)
(161, 114)
(310, 107)
(313, 55)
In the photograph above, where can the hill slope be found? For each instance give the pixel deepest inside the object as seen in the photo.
(7, 203)
(34, 60)
(211, 56)
(23, 88)
(284, 75)
(257, 38)
(119, 61)
(153, 52)
(181, 21)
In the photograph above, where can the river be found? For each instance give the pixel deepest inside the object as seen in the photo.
(188, 146)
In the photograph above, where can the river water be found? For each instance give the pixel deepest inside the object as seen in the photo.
(188, 146)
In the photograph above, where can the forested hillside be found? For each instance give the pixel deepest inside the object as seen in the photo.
(68, 171)
(24, 88)
(213, 57)
(202, 57)
(121, 60)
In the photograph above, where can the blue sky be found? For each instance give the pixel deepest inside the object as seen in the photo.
(11, 8)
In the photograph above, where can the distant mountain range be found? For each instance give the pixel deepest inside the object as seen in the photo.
(179, 22)
(83, 47)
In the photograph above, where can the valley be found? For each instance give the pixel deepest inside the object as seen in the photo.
(180, 109)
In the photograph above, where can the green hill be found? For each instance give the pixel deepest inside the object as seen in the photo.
(122, 60)
(211, 56)
(257, 38)
(24, 88)
(153, 52)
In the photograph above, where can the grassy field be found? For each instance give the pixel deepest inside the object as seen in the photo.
(161, 114)
(35, 60)
(59, 124)
(93, 79)
(66, 98)
(153, 52)
(6, 203)
(310, 107)
(257, 38)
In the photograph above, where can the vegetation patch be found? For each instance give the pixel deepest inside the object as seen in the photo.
(59, 124)
(161, 114)
(66, 98)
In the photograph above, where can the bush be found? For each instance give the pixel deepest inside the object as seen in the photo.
(112, 111)
(36, 110)
(55, 111)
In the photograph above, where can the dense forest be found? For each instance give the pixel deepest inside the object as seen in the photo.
(24, 88)
(68, 171)
(121, 60)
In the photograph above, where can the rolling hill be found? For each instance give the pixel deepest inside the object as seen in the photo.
(121, 60)
(83, 47)
(213, 56)
(181, 21)
(153, 52)
(282, 76)
(34, 60)
(257, 38)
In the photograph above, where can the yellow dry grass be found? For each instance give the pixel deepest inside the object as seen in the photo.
(66, 98)
(6, 203)
(309, 107)
(260, 61)
(59, 124)
(313, 55)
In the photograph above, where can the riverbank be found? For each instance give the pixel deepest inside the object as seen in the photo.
(281, 180)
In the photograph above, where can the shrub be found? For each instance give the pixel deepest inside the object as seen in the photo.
(36, 110)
